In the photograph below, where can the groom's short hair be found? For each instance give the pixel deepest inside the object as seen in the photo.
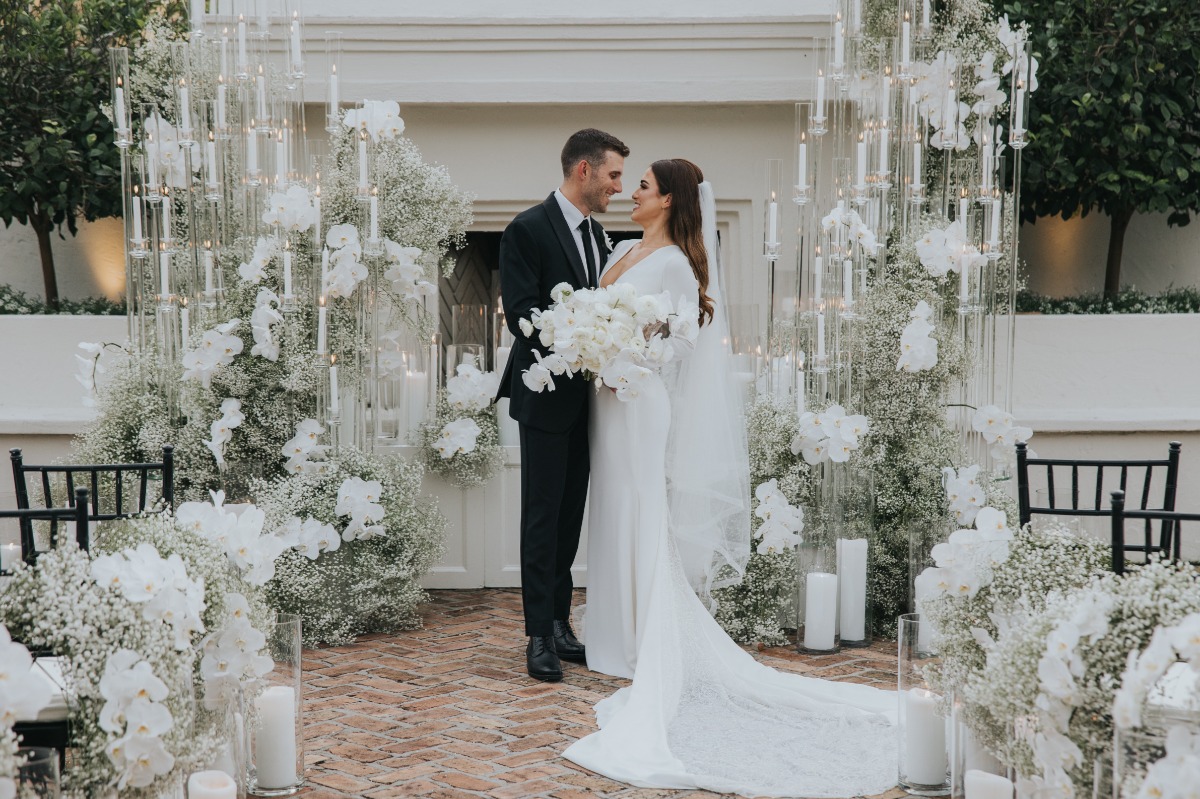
(590, 145)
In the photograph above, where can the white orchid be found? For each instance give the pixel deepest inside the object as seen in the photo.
(23, 693)
(404, 271)
(782, 521)
(216, 348)
(265, 315)
(344, 235)
(292, 210)
(345, 273)
(964, 493)
(302, 445)
(457, 437)
(1000, 430)
(918, 348)
(471, 389)
(221, 430)
(359, 499)
(830, 434)
(163, 147)
(380, 118)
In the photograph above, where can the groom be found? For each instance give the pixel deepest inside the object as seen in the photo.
(551, 243)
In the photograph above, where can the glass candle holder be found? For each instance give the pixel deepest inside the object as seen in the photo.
(118, 58)
(924, 765)
(975, 773)
(38, 773)
(816, 565)
(275, 716)
(772, 221)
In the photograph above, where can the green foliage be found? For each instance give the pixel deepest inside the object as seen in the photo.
(57, 157)
(1129, 300)
(13, 301)
(1115, 122)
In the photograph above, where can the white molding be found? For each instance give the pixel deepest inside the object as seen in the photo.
(566, 61)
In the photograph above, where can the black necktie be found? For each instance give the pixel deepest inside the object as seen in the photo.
(585, 230)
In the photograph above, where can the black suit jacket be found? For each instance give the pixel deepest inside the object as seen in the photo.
(537, 252)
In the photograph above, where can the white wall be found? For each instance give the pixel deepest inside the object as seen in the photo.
(87, 265)
(1065, 258)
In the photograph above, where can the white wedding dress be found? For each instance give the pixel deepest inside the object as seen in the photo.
(701, 712)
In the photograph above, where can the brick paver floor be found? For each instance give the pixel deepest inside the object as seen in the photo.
(448, 711)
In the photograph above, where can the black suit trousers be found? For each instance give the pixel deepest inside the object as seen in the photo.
(554, 482)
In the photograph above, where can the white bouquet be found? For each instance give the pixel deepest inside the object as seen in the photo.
(611, 335)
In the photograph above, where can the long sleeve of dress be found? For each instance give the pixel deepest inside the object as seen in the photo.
(680, 283)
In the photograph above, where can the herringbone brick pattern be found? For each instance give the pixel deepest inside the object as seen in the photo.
(447, 712)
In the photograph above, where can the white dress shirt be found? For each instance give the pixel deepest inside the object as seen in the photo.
(574, 216)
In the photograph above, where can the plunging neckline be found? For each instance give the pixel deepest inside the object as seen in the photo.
(647, 257)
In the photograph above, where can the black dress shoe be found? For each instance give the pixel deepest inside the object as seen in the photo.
(541, 660)
(566, 644)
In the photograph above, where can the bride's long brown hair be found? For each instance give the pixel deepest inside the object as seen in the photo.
(681, 179)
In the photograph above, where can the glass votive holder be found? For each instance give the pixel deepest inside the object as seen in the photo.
(276, 734)
(924, 765)
(38, 773)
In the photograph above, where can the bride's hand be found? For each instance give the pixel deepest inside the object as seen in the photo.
(661, 328)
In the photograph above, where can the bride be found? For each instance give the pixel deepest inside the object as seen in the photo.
(670, 518)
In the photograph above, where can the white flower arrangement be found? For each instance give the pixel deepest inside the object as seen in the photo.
(829, 435)
(857, 230)
(462, 441)
(601, 334)
(379, 118)
(470, 389)
(918, 348)
(292, 210)
(782, 522)
(350, 569)
(222, 429)
(1057, 671)
(1000, 429)
(304, 450)
(964, 492)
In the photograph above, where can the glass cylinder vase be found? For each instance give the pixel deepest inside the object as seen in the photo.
(817, 603)
(37, 773)
(924, 763)
(276, 729)
(975, 773)
(850, 499)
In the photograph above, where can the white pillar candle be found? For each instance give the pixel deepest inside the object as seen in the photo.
(906, 42)
(925, 738)
(164, 273)
(321, 332)
(820, 335)
(297, 60)
(852, 588)
(981, 785)
(848, 282)
(224, 52)
(243, 64)
(221, 102)
(211, 785)
(994, 240)
(818, 276)
(925, 15)
(280, 159)
(820, 610)
(210, 153)
(502, 354)
(333, 90)
(773, 222)
(884, 161)
(362, 163)
(374, 216)
(137, 217)
(261, 90)
(251, 149)
(185, 325)
(510, 433)
(839, 44)
(185, 111)
(166, 217)
(820, 96)
(979, 759)
(986, 168)
(317, 212)
(963, 205)
(9, 556)
(416, 395)
(287, 273)
(862, 163)
(335, 400)
(802, 165)
(916, 164)
(963, 278)
(1019, 122)
(208, 271)
(122, 124)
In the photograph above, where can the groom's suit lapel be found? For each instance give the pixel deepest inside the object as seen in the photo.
(559, 223)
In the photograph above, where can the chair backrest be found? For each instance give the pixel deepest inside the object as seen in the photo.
(1091, 473)
(26, 516)
(98, 477)
(1172, 520)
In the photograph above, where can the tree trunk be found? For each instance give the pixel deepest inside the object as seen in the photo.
(42, 226)
(1116, 247)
